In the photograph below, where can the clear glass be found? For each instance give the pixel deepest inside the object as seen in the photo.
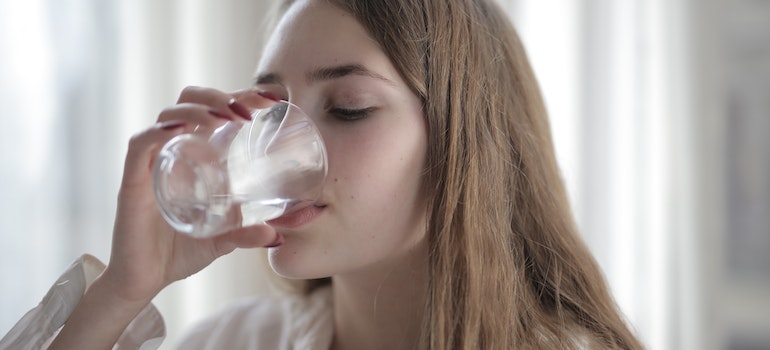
(242, 173)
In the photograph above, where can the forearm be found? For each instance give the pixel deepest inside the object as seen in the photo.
(98, 320)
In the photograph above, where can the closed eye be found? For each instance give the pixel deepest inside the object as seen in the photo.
(347, 114)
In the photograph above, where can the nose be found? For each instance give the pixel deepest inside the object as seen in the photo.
(308, 105)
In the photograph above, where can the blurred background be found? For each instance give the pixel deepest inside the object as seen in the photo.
(659, 109)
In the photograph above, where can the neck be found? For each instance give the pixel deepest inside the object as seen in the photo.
(381, 307)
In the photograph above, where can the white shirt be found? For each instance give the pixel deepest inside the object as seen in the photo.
(291, 322)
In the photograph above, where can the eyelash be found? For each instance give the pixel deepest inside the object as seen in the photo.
(346, 114)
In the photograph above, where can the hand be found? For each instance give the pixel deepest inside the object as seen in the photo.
(147, 254)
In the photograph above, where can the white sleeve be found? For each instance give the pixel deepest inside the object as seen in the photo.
(38, 327)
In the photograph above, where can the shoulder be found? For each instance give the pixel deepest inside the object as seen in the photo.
(266, 322)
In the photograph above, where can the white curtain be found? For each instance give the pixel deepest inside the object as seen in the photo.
(59, 161)
(634, 89)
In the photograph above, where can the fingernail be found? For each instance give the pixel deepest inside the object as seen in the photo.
(219, 114)
(171, 125)
(269, 95)
(239, 109)
(278, 241)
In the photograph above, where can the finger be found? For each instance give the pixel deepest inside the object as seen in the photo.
(247, 237)
(144, 147)
(196, 114)
(223, 103)
(204, 95)
(255, 98)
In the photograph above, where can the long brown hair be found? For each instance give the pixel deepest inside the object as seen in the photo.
(507, 268)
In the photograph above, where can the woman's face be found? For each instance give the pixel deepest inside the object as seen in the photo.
(372, 210)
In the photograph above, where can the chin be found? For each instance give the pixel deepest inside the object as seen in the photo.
(291, 264)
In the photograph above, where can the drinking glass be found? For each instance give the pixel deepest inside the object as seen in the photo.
(242, 173)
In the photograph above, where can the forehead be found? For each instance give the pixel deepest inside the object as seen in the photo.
(316, 33)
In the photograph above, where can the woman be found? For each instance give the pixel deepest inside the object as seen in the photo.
(443, 224)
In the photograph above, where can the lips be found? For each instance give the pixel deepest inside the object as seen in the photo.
(297, 218)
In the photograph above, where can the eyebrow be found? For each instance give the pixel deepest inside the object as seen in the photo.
(325, 73)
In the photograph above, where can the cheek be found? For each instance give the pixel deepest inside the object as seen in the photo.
(376, 173)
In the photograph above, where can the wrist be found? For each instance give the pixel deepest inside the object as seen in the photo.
(119, 299)
(128, 288)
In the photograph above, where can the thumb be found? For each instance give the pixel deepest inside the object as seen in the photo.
(247, 237)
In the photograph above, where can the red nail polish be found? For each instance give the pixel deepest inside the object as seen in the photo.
(171, 125)
(239, 109)
(278, 241)
(219, 114)
(269, 95)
